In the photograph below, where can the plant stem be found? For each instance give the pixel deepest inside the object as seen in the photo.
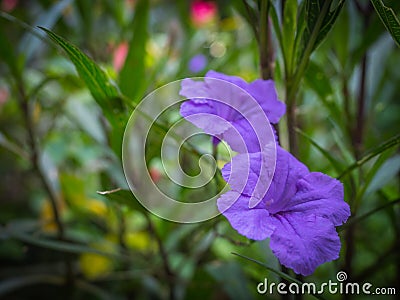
(265, 43)
(35, 160)
(164, 257)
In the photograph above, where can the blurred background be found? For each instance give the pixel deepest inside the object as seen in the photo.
(59, 147)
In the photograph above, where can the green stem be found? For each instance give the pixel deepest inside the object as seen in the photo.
(265, 49)
(35, 160)
(295, 80)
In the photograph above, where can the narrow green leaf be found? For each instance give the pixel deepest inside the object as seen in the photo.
(394, 141)
(132, 77)
(279, 273)
(6, 143)
(328, 23)
(60, 245)
(11, 284)
(335, 163)
(7, 51)
(387, 171)
(289, 26)
(366, 215)
(100, 86)
(320, 20)
(276, 25)
(389, 19)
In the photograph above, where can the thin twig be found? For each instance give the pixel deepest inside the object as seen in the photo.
(35, 160)
(164, 257)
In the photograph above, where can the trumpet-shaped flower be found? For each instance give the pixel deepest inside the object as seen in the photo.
(298, 213)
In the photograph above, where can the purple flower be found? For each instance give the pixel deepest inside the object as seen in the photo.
(197, 63)
(299, 211)
(244, 109)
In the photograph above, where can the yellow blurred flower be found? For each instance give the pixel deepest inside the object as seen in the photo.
(95, 265)
(47, 216)
(140, 241)
(97, 207)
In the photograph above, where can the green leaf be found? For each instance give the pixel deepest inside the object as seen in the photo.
(11, 284)
(394, 141)
(279, 273)
(132, 77)
(389, 169)
(289, 25)
(276, 25)
(61, 246)
(100, 86)
(231, 279)
(366, 215)
(7, 51)
(335, 163)
(389, 19)
(320, 20)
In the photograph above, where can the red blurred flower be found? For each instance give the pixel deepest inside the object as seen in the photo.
(155, 174)
(8, 5)
(203, 12)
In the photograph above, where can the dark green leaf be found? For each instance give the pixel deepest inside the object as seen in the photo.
(364, 216)
(61, 246)
(389, 19)
(289, 25)
(335, 163)
(320, 20)
(100, 86)
(132, 77)
(385, 146)
(277, 272)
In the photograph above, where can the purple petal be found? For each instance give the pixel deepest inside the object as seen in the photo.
(245, 118)
(321, 195)
(201, 113)
(243, 173)
(263, 91)
(254, 223)
(288, 171)
(303, 242)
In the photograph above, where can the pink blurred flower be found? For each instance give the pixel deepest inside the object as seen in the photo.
(3, 96)
(203, 12)
(120, 53)
(9, 5)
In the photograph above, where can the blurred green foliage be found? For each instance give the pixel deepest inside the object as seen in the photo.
(63, 114)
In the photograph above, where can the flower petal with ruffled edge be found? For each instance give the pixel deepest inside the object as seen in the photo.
(254, 223)
(320, 195)
(228, 97)
(303, 242)
(301, 207)
(262, 90)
